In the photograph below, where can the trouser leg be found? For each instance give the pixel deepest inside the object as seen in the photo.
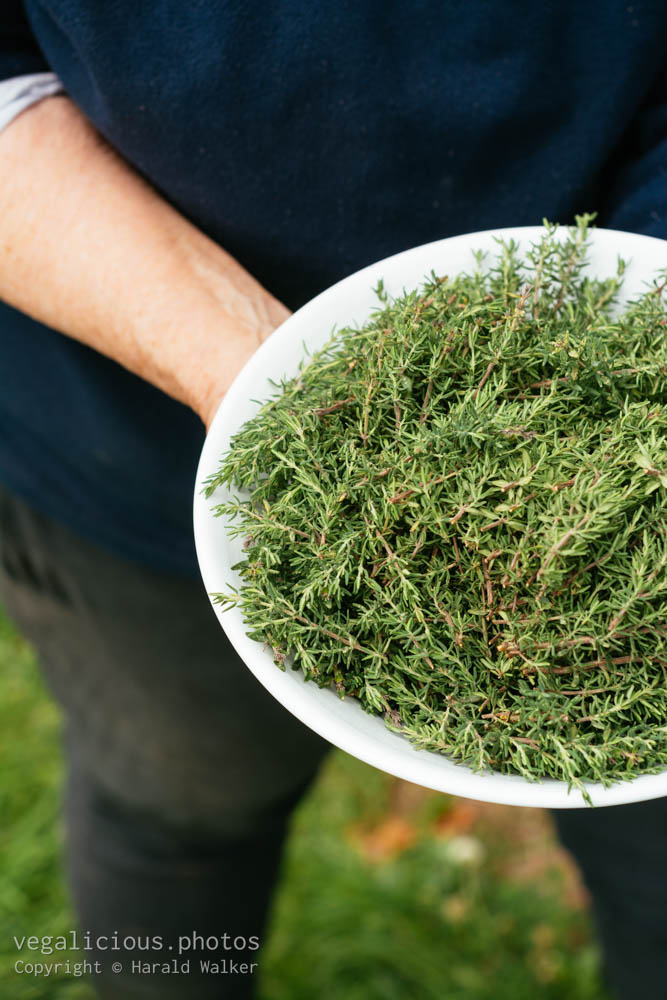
(622, 853)
(183, 769)
(205, 898)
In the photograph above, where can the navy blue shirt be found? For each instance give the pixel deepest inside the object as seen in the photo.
(310, 140)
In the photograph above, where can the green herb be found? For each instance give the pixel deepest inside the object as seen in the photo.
(457, 514)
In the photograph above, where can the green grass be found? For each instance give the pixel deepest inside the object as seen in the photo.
(388, 892)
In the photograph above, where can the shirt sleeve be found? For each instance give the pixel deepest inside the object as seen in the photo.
(637, 193)
(25, 76)
(21, 92)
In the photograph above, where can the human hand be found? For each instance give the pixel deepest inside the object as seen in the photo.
(220, 362)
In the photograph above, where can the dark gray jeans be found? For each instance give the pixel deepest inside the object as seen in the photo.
(182, 770)
(182, 773)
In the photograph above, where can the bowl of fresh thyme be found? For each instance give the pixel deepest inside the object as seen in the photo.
(438, 534)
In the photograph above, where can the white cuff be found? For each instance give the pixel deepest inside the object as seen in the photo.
(20, 92)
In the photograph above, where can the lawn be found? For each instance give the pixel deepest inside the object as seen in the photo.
(389, 891)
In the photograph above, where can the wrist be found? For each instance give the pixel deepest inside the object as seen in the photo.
(208, 318)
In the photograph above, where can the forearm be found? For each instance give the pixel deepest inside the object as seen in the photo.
(87, 247)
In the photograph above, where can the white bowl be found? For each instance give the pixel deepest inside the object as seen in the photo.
(343, 722)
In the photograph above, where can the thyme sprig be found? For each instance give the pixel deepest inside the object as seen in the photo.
(457, 515)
